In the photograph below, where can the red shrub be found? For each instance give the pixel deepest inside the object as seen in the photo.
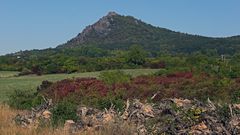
(62, 88)
(140, 87)
(237, 80)
(187, 75)
(156, 65)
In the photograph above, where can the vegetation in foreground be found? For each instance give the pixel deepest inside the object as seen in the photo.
(30, 83)
(115, 87)
(112, 90)
(167, 116)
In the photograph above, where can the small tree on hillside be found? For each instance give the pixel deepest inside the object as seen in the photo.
(136, 55)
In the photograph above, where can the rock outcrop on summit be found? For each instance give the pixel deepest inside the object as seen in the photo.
(100, 28)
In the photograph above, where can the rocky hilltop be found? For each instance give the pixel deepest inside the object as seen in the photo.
(101, 29)
(115, 31)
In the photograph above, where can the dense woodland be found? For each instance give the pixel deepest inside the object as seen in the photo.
(86, 59)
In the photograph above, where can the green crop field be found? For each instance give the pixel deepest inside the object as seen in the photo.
(9, 82)
(7, 74)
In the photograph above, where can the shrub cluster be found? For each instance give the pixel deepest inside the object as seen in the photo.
(116, 84)
(24, 99)
(116, 87)
(85, 87)
(63, 111)
(114, 77)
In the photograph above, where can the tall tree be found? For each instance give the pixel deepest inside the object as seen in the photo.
(136, 55)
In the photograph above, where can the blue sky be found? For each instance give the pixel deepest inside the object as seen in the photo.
(29, 24)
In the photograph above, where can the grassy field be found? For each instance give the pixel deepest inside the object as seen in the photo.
(9, 83)
(7, 74)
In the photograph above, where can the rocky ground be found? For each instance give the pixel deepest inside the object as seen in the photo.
(168, 116)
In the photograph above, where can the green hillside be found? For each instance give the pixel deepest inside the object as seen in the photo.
(119, 32)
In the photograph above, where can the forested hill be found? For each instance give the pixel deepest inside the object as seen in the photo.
(123, 42)
(115, 31)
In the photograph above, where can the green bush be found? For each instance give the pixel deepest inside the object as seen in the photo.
(107, 102)
(25, 71)
(99, 102)
(24, 99)
(162, 72)
(63, 111)
(223, 113)
(136, 55)
(37, 100)
(113, 77)
(115, 99)
(235, 96)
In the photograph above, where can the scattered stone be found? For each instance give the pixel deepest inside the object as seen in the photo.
(181, 102)
(70, 126)
(46, 114)
(235, 125)
(168, 116)
(199, 129)
(32, 118)
(236, 106)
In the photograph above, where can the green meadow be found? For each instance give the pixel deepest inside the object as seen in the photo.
(10, 82)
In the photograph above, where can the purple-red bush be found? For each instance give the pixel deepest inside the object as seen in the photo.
(187, 75)
(155, 65)
(87, 86)
(141, 87)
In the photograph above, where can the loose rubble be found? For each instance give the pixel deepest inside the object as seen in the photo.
(31, 119)
(169, 116)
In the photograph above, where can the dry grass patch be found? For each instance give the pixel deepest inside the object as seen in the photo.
(8, 127)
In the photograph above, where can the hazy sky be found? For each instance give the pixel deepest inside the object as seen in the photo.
(31, 24)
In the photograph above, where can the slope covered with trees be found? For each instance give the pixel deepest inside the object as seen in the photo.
(119, 32)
